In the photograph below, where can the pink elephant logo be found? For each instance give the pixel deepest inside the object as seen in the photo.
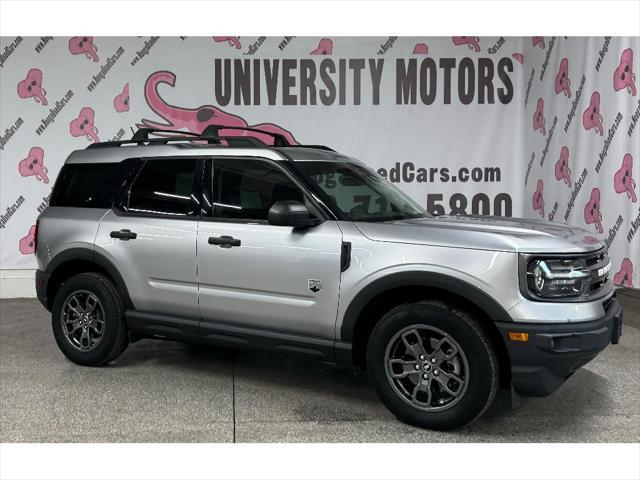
(538, 199)
(83, 125)
(538, 117)
(562, 83)
(27, 244)
(538, 42)
(623, 76)
(518, 57)
(325, 47)
(591, 118)
(622, 181)
(420, 49)
(197, 119)
(80, 45)
(31, 87)
(624, 276)
(121, 102)
(471, 42)
(592, 210)
(33, 165)
(563, 172)
(232, 41)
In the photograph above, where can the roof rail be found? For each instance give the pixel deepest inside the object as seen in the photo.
(231, 142)
(317, 147)
(211, 134)
(279, 140)
(142, 134)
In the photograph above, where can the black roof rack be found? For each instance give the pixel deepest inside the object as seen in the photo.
(317, 147)
(278, 139)
(142, 134)
(211, 134)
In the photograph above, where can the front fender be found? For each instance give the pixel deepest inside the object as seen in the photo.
(422, 278)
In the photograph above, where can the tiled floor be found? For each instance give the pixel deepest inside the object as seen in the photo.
(171, 392)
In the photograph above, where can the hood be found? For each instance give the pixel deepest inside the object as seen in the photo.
(485, 233)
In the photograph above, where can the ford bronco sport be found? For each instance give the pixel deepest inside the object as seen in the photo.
(226, 240)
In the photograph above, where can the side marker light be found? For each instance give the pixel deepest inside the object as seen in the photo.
(519, 336)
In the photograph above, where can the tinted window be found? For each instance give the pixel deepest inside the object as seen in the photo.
(246, 189)
(359, 193)
(163, 186)
(91, 185)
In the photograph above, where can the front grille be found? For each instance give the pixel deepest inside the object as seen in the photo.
(597, 258)
(599, 265)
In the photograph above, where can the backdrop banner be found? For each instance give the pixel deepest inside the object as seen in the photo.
(516, 126)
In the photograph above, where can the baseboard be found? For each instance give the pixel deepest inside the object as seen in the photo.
(17, 284)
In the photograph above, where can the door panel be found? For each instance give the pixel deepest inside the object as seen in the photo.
(159, 265)
(264, 282)
(253, 274)
(151, 236)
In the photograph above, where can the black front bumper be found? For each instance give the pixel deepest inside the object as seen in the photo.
(42, 282)
(555, 351)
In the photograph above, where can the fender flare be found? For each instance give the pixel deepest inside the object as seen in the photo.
(484, 302)
(89, 255)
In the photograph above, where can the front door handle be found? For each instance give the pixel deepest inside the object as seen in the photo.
(225, 241)
(124, 234)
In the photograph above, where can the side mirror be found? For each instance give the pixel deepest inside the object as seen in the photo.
(288, 213)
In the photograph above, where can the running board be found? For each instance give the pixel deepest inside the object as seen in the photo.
(192, 330)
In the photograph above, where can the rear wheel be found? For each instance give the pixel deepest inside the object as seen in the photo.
(88, 320)
(432, 365)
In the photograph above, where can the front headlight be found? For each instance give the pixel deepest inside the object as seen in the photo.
(558, 277)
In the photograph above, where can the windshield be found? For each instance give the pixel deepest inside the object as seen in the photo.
(360, 193)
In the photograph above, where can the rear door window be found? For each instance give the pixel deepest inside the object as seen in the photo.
(164, 186)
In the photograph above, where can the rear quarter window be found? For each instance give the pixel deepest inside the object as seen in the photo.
(90, 185)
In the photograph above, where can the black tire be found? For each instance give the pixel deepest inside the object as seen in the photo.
(115, 336)
(482, 376)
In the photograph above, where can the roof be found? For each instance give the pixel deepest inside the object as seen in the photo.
(141, 146)
(117, 154)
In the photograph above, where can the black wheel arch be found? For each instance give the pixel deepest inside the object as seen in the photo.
(80, 260)
(370, 304)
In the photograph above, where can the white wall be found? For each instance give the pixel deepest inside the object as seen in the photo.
(459, 125)
(17, 284)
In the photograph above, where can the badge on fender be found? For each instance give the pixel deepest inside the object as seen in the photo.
(315, 285)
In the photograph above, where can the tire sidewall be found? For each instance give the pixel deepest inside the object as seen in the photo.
(112, 324)
(481, 376)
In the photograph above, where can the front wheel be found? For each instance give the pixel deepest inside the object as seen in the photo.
(432, 365)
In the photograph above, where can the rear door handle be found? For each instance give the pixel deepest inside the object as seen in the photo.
(124, 234)
(225, 241)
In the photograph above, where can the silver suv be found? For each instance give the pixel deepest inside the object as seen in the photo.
(224, 240)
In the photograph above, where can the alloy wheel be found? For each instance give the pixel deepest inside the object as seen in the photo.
(427, 368)
(83, 320)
